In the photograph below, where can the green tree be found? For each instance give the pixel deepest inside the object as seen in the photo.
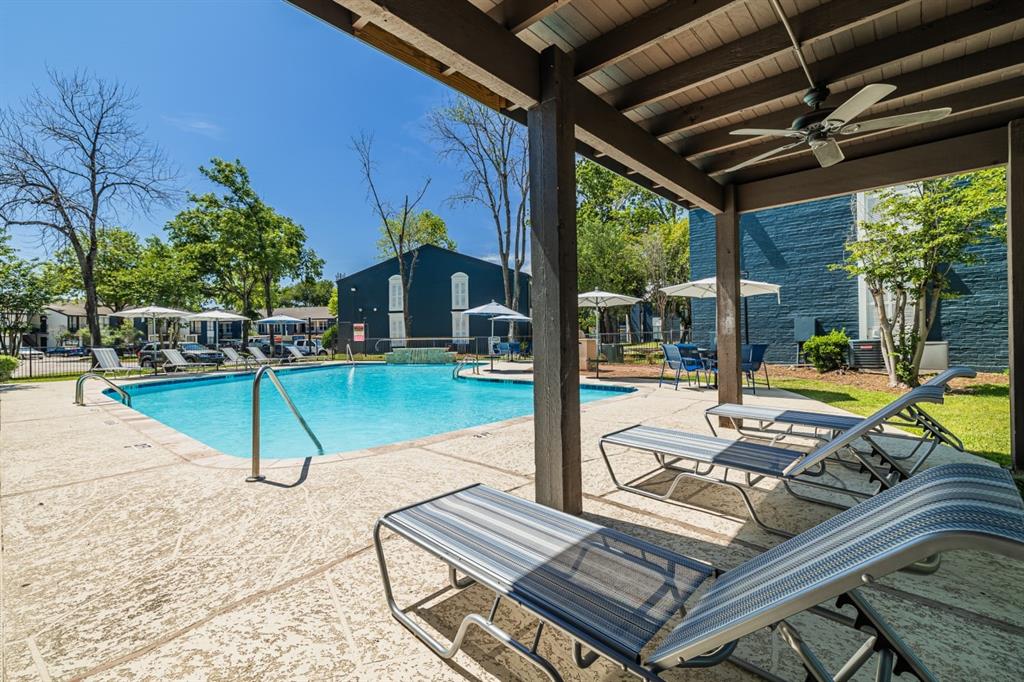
(922, 232)
(240, 247)
(665, 257)
(307, 292)
(423, 228)
(114, 269)
(24, 290)
(332, 302)
(73, 162)
(629, 239)
(168, 277)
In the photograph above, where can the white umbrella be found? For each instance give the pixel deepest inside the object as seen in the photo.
(518, 317)
(154, 312)
(217, 316)
(280, 319)
(491, 310)
(708, 288)
(597, 299)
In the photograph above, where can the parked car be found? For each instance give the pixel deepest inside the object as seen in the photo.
(26, 352)
(310, 347)
(193, 352)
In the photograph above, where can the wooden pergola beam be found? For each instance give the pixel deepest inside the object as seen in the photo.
(519, 15)
(556, 388)
(966, 68)
(840, 67)
(963, 103)
(814, 24)
(944, 157)
(455, 33)
(1015, 285)
(664, 21)
(727, 303)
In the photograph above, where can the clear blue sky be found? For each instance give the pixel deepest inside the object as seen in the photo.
(261, 81)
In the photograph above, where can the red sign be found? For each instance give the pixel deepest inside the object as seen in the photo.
(359, 332)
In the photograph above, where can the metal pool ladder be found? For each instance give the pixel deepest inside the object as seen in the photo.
(80, 388)
(267, 370)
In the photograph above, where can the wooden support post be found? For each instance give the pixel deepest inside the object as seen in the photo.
(556, 388)
(727, 273)
(1015, 286)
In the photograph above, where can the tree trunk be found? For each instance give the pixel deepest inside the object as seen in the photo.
(92, 314)
(888, 344)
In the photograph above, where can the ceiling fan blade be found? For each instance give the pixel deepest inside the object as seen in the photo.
(828, 153)
(761, 157)
(865, 98)
(774, 132)
(897, 121)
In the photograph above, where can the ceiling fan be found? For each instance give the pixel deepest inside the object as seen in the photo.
(819, 128)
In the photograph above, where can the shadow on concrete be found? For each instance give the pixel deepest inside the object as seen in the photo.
(301, 479)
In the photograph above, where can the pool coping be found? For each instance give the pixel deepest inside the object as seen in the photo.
(200, 454)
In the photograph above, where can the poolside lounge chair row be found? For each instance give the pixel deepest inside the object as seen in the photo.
(614, 594)
(107, 361)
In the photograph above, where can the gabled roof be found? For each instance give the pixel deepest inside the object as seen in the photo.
(389, 263)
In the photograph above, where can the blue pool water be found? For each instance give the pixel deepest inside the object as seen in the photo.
(349, 408)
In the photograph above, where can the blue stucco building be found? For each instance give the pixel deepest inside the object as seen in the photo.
(794, 246)
(444, 284)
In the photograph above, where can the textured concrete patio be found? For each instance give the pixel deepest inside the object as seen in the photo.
(133, 552)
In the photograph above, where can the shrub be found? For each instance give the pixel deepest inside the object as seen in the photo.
(827, 352)
(8, 363)
(329, 337)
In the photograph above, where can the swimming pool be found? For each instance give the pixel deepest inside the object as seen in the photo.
(348, 408)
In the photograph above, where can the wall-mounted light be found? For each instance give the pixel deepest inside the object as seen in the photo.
(352, 289)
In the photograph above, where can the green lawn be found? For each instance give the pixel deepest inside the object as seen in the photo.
(980, 414)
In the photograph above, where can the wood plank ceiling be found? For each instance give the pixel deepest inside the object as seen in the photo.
(676, 76)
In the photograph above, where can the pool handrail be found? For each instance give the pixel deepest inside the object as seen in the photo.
(264, 370)
(80, 388)
(348, 353)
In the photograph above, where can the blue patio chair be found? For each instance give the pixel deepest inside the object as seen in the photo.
(753, 362)
(676, 359)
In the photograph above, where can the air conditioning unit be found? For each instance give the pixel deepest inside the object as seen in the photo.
(866, 354)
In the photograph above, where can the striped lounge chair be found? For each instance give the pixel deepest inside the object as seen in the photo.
(613, 594)
(778, 423)
(686, 455)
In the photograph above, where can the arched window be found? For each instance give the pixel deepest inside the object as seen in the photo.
(460, 291)
(395, 297)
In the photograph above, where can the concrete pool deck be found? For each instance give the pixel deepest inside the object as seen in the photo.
(130, 552)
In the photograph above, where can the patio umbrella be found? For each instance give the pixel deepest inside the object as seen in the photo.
(278, 319)
(708, 288)
(154, 312)
(491, 310)
(597, 299)
(217, 316)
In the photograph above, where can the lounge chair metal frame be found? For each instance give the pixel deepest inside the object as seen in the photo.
(822, 426)
(260, 359)
(747, 459)
(238, 358)
(480, 533)
(108, 362)
(169, 361)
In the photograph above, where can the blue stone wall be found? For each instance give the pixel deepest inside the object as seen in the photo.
(791, 246)
(975, 322)
(794, 245)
